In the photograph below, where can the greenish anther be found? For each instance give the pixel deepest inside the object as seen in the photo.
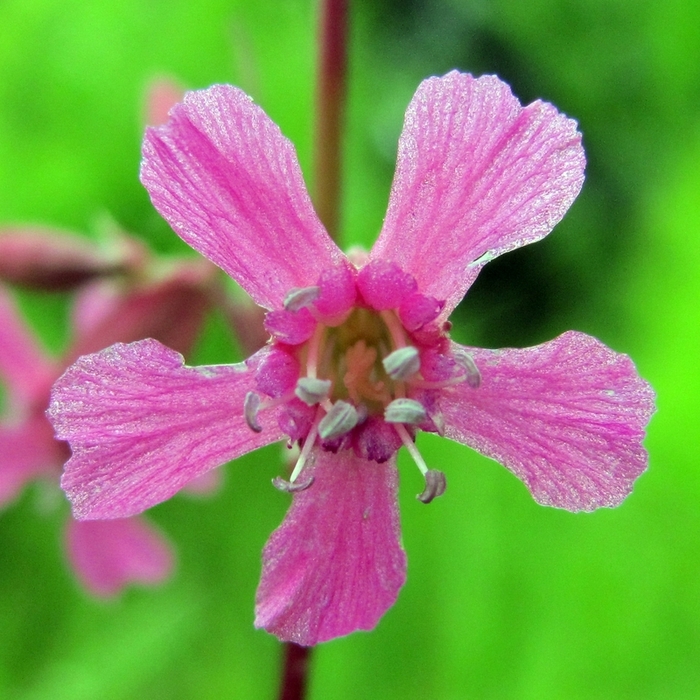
(342, 418)
(402, 363)
(405, 411)
(300, 298)
(311, 390)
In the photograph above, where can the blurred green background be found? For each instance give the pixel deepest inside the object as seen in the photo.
(505, 599)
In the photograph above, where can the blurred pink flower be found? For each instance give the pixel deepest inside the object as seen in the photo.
(360, 358)
(39, 257)
(105, 556)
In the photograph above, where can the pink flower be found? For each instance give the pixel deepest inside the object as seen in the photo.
(360, 358)
(43, 258)
(106, 556)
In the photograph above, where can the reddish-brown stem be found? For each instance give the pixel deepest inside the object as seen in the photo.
(296, 666)
(330, 104)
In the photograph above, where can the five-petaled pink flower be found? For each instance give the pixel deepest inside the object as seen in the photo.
(360, 358)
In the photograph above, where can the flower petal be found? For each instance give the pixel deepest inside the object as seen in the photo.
(230, 185)
(107, 555)
(141, 425)
(567, 417)
(335, 565)
(23, 366)
(477, 175)
(27, 450)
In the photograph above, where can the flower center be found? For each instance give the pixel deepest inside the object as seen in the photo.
(351, 356)
(344, 367)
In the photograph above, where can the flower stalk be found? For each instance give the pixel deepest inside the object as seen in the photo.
(330, 107)
(296, 666)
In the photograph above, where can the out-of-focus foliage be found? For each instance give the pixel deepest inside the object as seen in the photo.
(505, 599)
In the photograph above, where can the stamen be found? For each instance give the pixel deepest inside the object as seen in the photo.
(471, 374)
(314, 347)
(251, 406)
(342, 418)
(306, 450)
(435, 482)
(411, 447)
(311, 390)
(395, 327)
(435, 485)
(443, 384)
(466, 361)
(405, 411)
(402, 363)
(300, 298)
(282, 485)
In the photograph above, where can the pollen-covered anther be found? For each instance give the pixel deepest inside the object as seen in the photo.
(291, 487)
(435, 485)
(340, 419)
(473, 376)
(300, 298)
(404, 410)
(312, 390)
(402, 363)
(251, 406)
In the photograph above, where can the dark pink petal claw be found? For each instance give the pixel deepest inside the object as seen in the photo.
(384, 285)
(227, 181)
(335, 565)
(141, 425)
(417, 309)
(568, 417)
(277, 373)
(108, 555)
(296, 419)
(291, 327)
(374, 439)
(337, 291)
(477, 175)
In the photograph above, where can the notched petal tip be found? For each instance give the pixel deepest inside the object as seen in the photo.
(567, 417)
(292, 486)
(475, 162)
(435, 485)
